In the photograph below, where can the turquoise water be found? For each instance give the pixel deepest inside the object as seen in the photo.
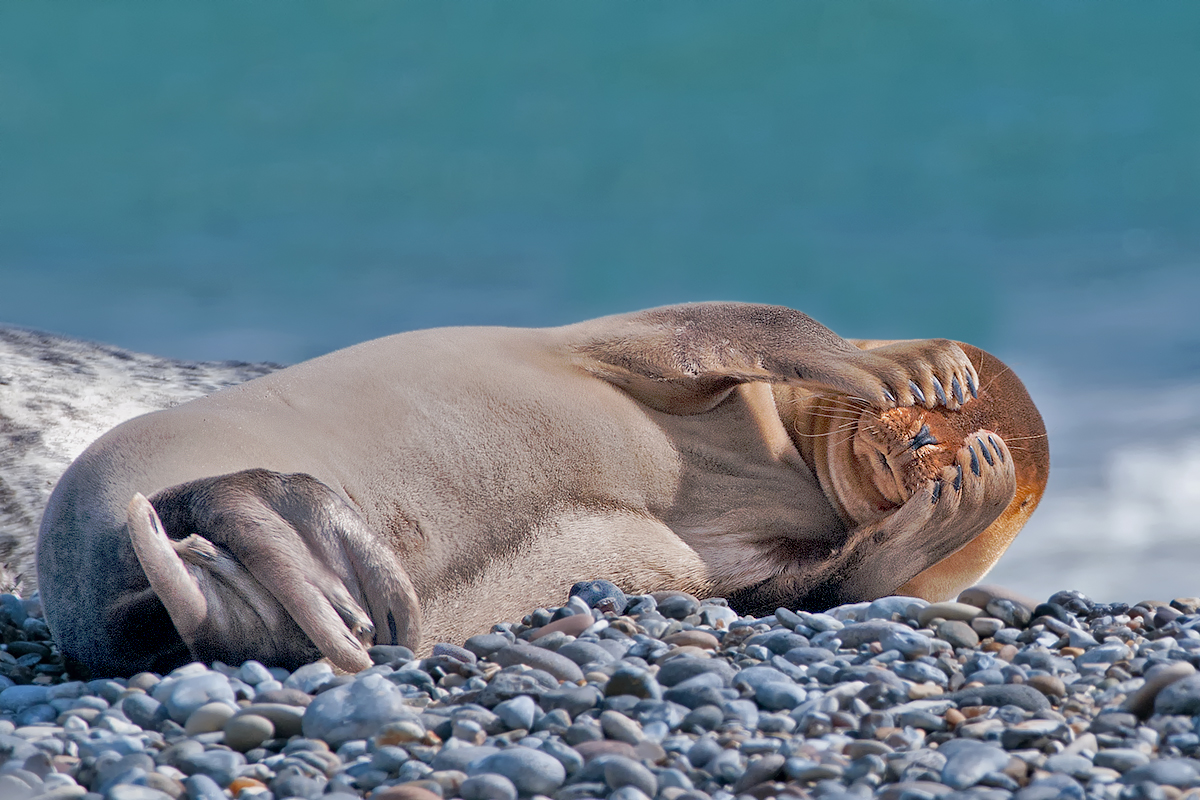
(274, 180)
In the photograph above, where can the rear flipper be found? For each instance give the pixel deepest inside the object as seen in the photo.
(274, 567)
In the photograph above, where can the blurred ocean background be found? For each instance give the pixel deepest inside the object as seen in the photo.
(272, 181)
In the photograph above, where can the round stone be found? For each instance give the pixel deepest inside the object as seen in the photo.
(531, 771)
(208, 718)
(561, 667)
(956, 611)
(488, 787)
(247, 731)
(620, 771)
(958, 634)
(189, 694)
(592, 592)
(356, 710)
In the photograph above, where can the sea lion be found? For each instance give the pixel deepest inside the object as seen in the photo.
(416, 488)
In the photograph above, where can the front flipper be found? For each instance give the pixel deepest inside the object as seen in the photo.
(685, 359)
(940, 518)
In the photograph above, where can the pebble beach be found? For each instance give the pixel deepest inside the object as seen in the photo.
(662, 696)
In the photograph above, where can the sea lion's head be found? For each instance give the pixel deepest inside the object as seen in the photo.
(870, 461)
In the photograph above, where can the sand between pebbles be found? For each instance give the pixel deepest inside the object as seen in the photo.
(664, 696)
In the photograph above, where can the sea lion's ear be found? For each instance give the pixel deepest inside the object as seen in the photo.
(1011, 413)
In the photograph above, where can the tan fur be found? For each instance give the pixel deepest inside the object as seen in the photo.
(419, 487)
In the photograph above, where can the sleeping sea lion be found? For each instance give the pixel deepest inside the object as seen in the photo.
(416, 488)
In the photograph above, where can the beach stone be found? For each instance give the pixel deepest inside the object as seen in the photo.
(460, 758)
(488, 787)
(561, 667)
(407, 791)
(634, 681)
(693, 638)
(16, 699)
(890, 607)
(1104, 654)
(484, 644)
(1181, 696)
(1024, 697)
(144, 711)
(1054, 786)
(620, 727)
(247, 731)
(958, 634)
(1012, 614)
(287, 720)
(1175, 772)
(982, 594)
(859, 633)
(1049, 685)
(356, 710)
(759, 770)
(621, 771)
(220, 765)
(968, 761)
(780, 696)
(208, 718)
(571, 626)
(507, 685)
(963, 612)
(1122, 759)
(913, 790)
(676, 605)
(1078, 767)
(531, 771)
(676, 670)
(582, 653)
(1158, 677)
(908, 643)
(189, 694)
(592, 592)
(309, 677)
(130, 791)
(284, 696)
(517, 713)
(985, 627)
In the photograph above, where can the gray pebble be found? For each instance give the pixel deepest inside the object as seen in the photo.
(488, 787)
(356, 710)
(531, 771)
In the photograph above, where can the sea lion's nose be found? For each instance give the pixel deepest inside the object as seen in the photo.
(923, 438)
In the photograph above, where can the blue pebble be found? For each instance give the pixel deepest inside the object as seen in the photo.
(592, 592)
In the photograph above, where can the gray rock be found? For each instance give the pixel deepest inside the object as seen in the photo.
(1122, 759)
(967, 761)
(1020, 695)
(531, 771)
(1180, 697)
(309, 677)
(460, 758)
(621, 771)
(356, 710)
(202, 787)
(188, 694)
(678, 669)
(488, 787)
(585, 653)
(1176, 772)
(557, 665)
(129, 791)
(220, 765)
(517, 713)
